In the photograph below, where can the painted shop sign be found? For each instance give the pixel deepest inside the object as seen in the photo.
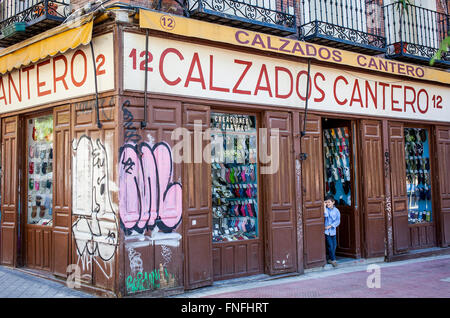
(270, 43)
(60, 77)
(187, 69)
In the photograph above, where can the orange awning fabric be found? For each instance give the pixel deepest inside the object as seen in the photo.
(57, 40)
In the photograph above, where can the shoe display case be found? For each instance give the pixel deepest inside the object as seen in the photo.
(336, 149)
(237, 243)
(418, 177)
(234, 178)
(40, 170)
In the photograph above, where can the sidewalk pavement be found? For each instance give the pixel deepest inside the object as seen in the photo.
(427, 277)
(418, 278)
(17, 284)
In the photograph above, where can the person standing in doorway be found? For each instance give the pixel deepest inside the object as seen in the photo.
(332, 221)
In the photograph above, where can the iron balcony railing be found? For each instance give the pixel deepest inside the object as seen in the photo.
(350, 24)
(415, 33)
(26, 12)
(272, 16)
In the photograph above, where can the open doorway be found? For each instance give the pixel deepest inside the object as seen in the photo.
(339, 159)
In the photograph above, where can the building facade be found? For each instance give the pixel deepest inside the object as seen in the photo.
(160, 147)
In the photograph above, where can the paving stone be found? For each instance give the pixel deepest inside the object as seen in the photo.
(405, 279)
(17, 284)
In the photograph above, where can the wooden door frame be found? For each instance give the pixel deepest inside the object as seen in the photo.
(297, 116)
(307, 144)
(363, 244)
(14, 175)
(441, 239)
(275, 265)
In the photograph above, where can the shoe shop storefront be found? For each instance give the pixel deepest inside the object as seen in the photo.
(212, 160)
(375, 136)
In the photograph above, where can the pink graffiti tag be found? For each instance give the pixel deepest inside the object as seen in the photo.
(148, 197)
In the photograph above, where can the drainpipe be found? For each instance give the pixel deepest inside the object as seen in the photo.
(144, 122)
(303, 156)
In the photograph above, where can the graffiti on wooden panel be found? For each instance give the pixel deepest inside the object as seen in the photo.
(95, 229)
(136, 263)
(159, 278)
(130, 134)
(149, 199)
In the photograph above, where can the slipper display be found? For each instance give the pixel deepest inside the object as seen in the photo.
(233, 178)
(418, 185)
(40, 168)
(346, 187)
(337, 164)
(332, 188)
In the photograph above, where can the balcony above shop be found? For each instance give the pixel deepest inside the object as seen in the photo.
(268, 16)
(415, 34)
(352, 25)
(21, 19)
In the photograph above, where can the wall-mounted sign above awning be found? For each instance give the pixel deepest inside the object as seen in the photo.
(57, 40)
(270, 43)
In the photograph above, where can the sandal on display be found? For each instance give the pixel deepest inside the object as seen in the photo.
(41, 211)
(33, 211)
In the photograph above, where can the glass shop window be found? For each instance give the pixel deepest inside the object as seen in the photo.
(336, 143)
(418, 179)
(40, 170)
(234, 177)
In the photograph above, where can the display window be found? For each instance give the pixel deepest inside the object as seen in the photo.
(40, 170)
(418, 178)
(234, 177)
(336, 150)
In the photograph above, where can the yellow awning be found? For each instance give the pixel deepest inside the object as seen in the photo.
(57, 40)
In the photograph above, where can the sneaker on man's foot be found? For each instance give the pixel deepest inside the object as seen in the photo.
(329, 261)
(334, 263)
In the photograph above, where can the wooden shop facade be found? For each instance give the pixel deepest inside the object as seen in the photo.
(211, 161)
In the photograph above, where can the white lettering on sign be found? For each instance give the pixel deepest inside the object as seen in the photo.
(186, 69)
(60, 77)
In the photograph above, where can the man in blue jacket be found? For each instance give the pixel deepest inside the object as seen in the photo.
(332, 221)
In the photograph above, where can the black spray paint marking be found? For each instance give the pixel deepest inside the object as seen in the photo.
(130, 131)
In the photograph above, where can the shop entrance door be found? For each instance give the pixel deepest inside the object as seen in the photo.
(339, 157)
(10, 197)
(38, 192)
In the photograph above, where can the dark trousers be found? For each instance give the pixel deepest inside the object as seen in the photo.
(331, 247)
